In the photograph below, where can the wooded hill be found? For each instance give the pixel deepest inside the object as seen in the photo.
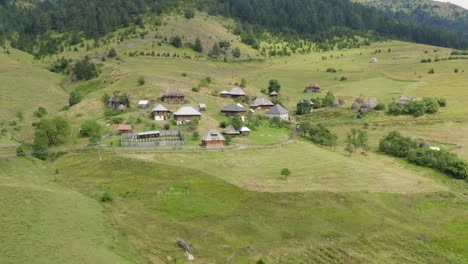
(425, 12)
(45, 27)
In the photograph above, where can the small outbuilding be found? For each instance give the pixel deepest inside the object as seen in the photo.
(124, 129)
(244, 131)
(274, 94)
(234, 109)
(143, 104)
(261, 103)
(201, 107)
(404, 99)
(374, 60)
(224, 94)
(312, 88)
(173, 96)
(213, 139)
(278, 111)
(230, 131)
(161, 113)
(186, 114)
(369, 105)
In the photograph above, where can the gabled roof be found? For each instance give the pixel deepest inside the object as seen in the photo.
(234, 108)
(224, 92)
(260, 101)
(274, 93)
(313, 85)
(143, 102)
(202, 105)
(187, 111)
(173, 92)
(124, 127)
(230, 130)
(160, 108)
(277, 110)
(212, 135)
(244, 129)
(236, 91)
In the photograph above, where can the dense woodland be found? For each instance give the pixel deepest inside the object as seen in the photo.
(44, 27)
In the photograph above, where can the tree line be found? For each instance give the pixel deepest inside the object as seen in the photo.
(33, 28)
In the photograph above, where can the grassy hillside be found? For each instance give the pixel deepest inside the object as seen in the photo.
(44, 222)
(156, 203)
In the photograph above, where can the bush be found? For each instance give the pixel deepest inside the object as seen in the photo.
(196, 135)
(92, 130)
(167, 126)
(273, 85)
(189, 13)
(141, 80)
(106, 197)
(109, 112)
(442, 161)
(112, 53)
(176, 41)
(85, 70)
(328, 99)
(236, 53)
(195, 89)
(343, 78)
(319, 134)
(442, 102)
(74, 98)
(276, 122)
(332, 70)
(396, 145)
(431, 71)
(20, 152)
(223, 124)
(40, 112)
(380, 107)
(197, 46)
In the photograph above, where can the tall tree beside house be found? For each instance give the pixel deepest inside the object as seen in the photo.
(273, 85)
(237, 122)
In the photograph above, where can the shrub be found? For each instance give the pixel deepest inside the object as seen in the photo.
(195, 135)
(380, 107)
(442, 102)
(189, 13)
(112, 53)
(431, 71)
(167, 126)
(85, 70)
(236, 53)
(92, 130)
(223, 124)
(195, 89)
(197, 46)
(319, 134)
(396, 145)
(109, 112)
(20, 152)
(106, 197)
(442, 160)
(141, 80)
(343, 78)
(328, 99)
(40, 112)
(285, 172)
(176, 41)
(75, 97)
(332, 70)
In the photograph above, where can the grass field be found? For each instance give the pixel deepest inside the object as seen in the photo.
(156, 203)
(44, 222)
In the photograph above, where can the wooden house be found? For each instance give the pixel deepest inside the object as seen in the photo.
(213, 139)
(201, 107)
(237, 92)
(278, 111)
(173, 96)
(224, 94)
(274, 94)
(312, 88)
(161, 113)
(124, 129)
(261, 103)
(186, 114)
(234, 109)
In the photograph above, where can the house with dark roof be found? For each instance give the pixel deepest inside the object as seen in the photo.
(234, 93)
(312, 88)
(261, 103)
(173, 96)
(213, 139)
(161, 113)
(186, 114)
(234, 109)
(278, 111)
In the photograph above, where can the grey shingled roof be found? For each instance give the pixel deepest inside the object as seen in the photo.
(259, 101)
(187, 111)
(313, 85)
(212, 135)
(160, 108)
(236, 91)
(233, 108)
(173, 92)
(230, 130)
(244, 129)
(277, 110)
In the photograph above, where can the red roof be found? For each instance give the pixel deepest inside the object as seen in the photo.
(124, 127)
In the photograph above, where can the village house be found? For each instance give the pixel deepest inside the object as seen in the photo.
(312, 88)
(274, 94)
(186, 114)
(234, 93)
(234, 109)
(278, 111)
(261, 103)
(213, 139)
(124, 129)
(404, 99)
(230, 131)
(173, 96)
(161, 113)
(143, 104)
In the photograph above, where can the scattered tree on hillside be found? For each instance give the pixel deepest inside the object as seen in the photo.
(319, 134)
(141, 80)
(176, 41)
(112, 53)
(75, 97)
(92, 130)
(215, 51)
(243, 83)
(273, 85)
(85, 70)
(285, 172)
(197, 46)
(189, 13)
(236, 53)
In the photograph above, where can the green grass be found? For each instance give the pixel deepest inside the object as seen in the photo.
(43, 222)
(156, 203)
